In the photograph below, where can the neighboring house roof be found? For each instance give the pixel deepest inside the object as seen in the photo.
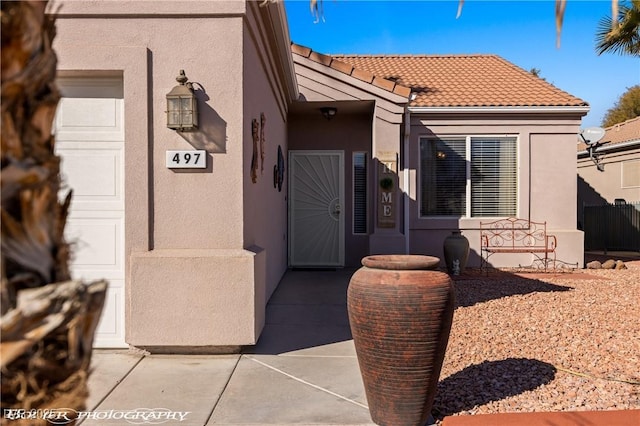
(625, 132)
(345, 68)
(464, 81)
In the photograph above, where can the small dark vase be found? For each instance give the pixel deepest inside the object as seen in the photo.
(456, 252)
(400, 314)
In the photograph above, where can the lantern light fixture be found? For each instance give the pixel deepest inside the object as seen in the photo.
(182, 105)
(329, 112)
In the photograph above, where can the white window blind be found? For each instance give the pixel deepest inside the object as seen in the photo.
(493, 177)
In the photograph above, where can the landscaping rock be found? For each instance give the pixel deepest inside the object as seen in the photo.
(594, 265)
(567, 342)
(609, 264)
(620, 265)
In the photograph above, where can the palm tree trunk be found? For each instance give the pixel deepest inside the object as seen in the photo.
(47, 329)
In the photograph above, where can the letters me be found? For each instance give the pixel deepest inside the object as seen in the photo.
(386, 204)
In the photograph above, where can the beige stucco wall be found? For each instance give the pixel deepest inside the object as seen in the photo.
(547, 187)
(604, 187)
(199, 267)
(264, 217)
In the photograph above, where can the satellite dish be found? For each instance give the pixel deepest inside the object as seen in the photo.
(592, 135)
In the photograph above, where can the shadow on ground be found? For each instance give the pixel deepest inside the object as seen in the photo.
(307, 310)
(489, 381)
(309, 307)
(473, 290)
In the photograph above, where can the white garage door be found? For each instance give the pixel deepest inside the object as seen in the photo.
(90, 140)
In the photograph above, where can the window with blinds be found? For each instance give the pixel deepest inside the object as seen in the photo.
(443, 177)
(493, 177)
(468, 176)
(359, 192)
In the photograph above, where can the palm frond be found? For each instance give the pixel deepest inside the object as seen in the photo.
(560, 6)
(621, 35)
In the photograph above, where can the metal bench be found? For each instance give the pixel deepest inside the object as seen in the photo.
(513, 235)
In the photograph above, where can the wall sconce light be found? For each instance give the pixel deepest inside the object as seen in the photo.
(328, 112)
(182, 105)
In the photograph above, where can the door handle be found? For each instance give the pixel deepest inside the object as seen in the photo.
(337, 209)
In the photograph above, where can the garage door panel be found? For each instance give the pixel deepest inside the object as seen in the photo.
(97, 246)
(106, 124)
(90, 109)
(111, 326)
(93, 174)
(103, 116)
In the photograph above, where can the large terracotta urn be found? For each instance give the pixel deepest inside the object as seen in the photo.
(400, 313)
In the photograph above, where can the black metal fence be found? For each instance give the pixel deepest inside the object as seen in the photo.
(612, 227)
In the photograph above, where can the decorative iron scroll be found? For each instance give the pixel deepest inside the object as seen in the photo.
(514, 235)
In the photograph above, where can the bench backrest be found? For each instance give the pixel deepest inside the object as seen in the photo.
(516, 234)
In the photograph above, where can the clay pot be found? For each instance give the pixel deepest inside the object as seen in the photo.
(400, 314)
(456, 252)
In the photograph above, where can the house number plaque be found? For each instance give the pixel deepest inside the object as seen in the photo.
(187, 159)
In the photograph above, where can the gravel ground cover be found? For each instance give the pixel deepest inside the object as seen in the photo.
(543, 342)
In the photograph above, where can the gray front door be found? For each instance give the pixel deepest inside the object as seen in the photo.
(316, 200)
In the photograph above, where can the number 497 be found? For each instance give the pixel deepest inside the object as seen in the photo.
(186, 157)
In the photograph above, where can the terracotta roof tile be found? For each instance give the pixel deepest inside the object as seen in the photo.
(365, 76)
(402, 91)
(362, 74)
(449, 80)
(342, 67)
(300, 50)
(626, 131)
(384, 84)
(463, 80)
(320, 58)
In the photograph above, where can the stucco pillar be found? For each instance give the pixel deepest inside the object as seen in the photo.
(196, 298)
(387, 237)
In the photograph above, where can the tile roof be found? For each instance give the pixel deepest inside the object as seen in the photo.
(463, 80)
(360, 73)
(627, 131)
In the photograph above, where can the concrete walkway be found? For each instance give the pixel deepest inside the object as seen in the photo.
(303, 371)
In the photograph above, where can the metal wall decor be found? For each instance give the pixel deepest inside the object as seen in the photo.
(257, 133)
(254, 159)
(263, 121)
(278, 171)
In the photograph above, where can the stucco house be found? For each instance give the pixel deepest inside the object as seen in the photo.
(609, 184)
(310, 161)
(619, 157)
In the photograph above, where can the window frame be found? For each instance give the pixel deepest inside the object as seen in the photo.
(623, 172)
(468, 207)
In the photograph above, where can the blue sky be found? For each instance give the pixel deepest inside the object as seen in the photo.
(522, 32)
